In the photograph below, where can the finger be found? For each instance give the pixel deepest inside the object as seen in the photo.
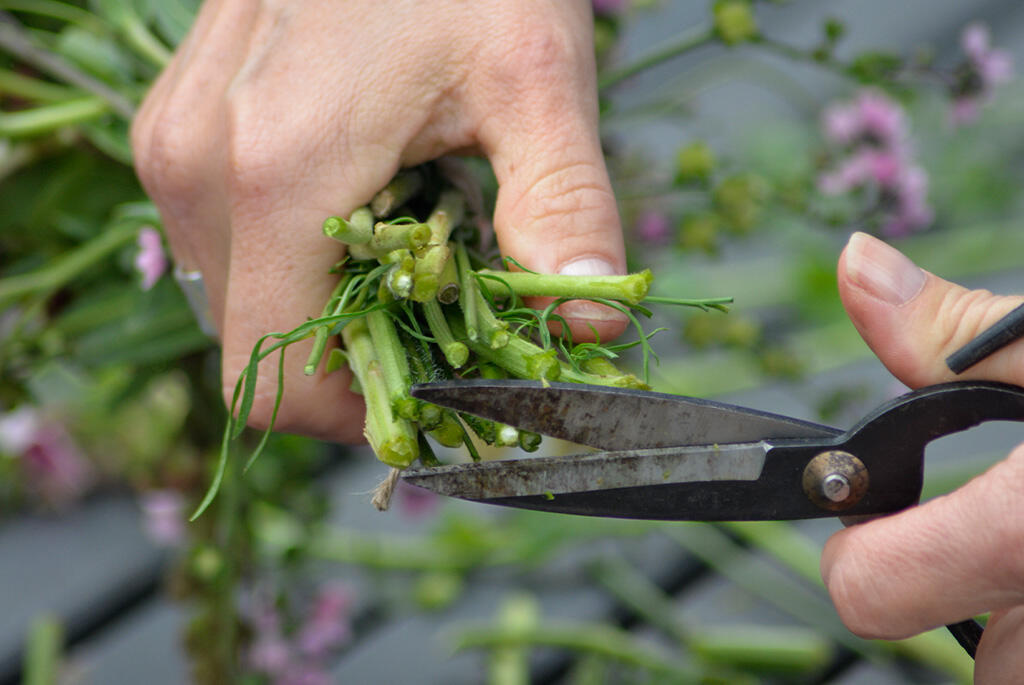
(555, 211)
(913, 320)
(951, 558)
(1000, 657)
(178, 140)
(278, 279)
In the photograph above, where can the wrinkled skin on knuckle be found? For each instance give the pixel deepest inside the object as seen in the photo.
(169, 155)
(528, 57)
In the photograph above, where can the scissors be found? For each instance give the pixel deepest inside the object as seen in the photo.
(669, 457)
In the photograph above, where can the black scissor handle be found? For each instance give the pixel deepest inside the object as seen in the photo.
(911, 421)
(917, 418)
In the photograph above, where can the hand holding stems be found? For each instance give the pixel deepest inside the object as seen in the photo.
(959, 555)
(272, 116)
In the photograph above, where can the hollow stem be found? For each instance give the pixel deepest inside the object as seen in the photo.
(393, 363)
(455, 352)
(631, 289)
(392, 438)
(469, 291)
(402, 188)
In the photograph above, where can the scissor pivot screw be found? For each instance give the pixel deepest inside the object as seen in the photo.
(835, 480)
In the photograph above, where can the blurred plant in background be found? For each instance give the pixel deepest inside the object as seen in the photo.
(107, 384)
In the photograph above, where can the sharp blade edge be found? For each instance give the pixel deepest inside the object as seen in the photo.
(614, 418)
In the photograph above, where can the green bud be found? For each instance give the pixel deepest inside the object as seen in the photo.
(734, 21)
(694, 163)
(699, 232)
(702, 331)
(738, 200)
(740, 332)
(834, 29)
(438, 589)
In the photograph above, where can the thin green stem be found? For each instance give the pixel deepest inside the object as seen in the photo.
(631, 289)
(19, 85)
(46, 118)
(468, 295)
(455, 352)
(57, 10)
(145, 44)
(43, 651)
(394, 363)
(602, 640)
(691, 40)
(393, 438)
(68, 266)
(18, 42)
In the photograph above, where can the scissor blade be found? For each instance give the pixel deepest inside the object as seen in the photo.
(614, 418)
(691, 483)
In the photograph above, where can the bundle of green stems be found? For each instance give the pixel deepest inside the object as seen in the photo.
(418, 300)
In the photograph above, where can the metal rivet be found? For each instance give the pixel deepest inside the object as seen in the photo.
(836, 487)
(835, 480)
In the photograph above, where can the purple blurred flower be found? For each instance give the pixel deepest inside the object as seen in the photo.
(910, 209)
(416, 502)
(881, 167)
(300, 657)
(163, 516)
(150, 262)
(53, 465)
(653, 227)
(985, 68)
(871, 118)
(610, 8)
(328, 624)
(873, 135)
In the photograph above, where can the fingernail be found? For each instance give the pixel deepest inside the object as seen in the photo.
(881, 270)
(587, 266)
(582, 309)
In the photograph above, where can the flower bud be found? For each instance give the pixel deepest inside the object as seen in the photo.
(694, 163)
(734, 21)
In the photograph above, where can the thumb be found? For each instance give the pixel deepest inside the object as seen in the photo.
(913, 320)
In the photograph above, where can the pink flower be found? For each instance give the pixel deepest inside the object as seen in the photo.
(53, 465)
(872, 118)
(299, 657)
(994, 66)
(150, 262)
(984, 69)
(876, 156)
(653, 227)
(328, 625)
(163, 516)
(882, 168)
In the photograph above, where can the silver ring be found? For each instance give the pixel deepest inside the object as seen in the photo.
(191, 284)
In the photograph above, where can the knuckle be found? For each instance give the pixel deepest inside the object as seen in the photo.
(532, 55)
(168, 159)
(256, 158)
(569, 190)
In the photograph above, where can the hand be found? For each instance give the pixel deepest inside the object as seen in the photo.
(274, 115)
(958, 555)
